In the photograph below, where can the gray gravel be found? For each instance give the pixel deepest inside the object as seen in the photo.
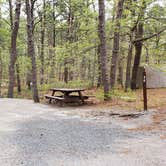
(41, 135)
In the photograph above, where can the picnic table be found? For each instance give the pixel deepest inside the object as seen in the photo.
(66, 95)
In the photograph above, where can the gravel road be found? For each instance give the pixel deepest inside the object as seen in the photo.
(42, 135)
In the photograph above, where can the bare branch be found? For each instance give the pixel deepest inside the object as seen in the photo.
(149, 37)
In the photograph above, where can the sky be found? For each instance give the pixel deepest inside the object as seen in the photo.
(4, 8)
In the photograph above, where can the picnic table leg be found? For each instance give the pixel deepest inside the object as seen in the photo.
(81, 97)
(66, 96)
(53, 92)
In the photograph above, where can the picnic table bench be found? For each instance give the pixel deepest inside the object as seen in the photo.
(66, 96)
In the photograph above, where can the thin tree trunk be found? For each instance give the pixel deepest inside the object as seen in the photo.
(130, 51)
(99, 79)
(11, 14)
(13, 51)
(1, 73)
(42, 44)
(60, 72)
(89, 69)
(54, 19)
(1, 63)
(94, 68)
(103, 52)
(115, 51)
(69, 39)
(31, 49)
(53, 44)
(120, 74)
(129, 60)
(71, 74)
(138, 52)
(66, 72)
(138, 46)
(18, 78)
(83, 68)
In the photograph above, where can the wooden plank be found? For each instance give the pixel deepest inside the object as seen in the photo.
(54, 97)
(75, 96)
(71, 96)
(66, 90)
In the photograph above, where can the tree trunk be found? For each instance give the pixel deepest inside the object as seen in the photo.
(42, 44)
(54, 19)
(66, 73)
(103, 51)
(94, 67)
(89, 69)
(138, 46)
(31, 49)
(1, 73)
(99, 79)
(11, 14)
(120, 74)
(13, 51)
(1, 62)
(53, 42)
(115, 51)
(18, 78)
(138, 51)
(129, 60)
(83, 68)
(69, 39)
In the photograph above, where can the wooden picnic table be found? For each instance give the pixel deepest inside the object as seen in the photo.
(66, 96)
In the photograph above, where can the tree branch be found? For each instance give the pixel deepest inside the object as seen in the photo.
(149, 37)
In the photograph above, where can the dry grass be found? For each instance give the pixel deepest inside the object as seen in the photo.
(158, 123)
(130, 101)
(156, 99)
(120, 99)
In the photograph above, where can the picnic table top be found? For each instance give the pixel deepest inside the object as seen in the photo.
(67, 90)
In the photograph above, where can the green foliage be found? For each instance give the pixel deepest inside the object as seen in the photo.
(76, 41)
(126, 96)
(129, 96)
(70, 84)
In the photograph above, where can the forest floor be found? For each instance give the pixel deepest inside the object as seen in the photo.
(134, 100)
(48, 135)
(131, 100)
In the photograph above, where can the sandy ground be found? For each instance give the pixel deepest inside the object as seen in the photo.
(42, 135)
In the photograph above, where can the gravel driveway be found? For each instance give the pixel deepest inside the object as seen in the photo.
(41, 135)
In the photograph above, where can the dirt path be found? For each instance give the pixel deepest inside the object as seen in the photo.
(41, 135)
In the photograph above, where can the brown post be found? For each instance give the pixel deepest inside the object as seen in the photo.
(145, 90)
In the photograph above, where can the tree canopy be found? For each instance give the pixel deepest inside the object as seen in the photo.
(64, 42)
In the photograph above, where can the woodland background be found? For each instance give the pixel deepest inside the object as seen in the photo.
(78, 43)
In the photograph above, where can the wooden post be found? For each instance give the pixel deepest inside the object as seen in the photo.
(145, 90)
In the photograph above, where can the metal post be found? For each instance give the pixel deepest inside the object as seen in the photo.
(145, 90)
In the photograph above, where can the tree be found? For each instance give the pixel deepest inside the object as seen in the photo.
(13, 49)
(43, 20)
(1, 62)
(31, 48)
(1, 72)
(115, 50)
(129, 61)
(68, 43)
(102, 47)
(130, 47)
(138, 46)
